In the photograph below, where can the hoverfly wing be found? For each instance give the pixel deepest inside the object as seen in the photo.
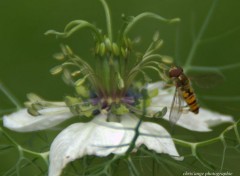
(207, 80)
(176, 107)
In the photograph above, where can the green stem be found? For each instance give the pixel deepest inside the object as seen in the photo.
(106, 75)
(10, 96)
(221, 36)
(216, 68)
(108, 19)
(196, 144)
(9, 137)
(199, 36)
(236, 132)
(182, 143)
(208, 142)
(147, 15)
(132, 167)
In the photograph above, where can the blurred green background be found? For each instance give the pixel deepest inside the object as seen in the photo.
(26, 55)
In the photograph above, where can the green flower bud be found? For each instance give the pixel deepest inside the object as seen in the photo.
(156, 36)
(102, 49)
(115, 49)
(167, 59)
(124, 54)
(158, 44)
(69, 50)
(163, 66)
(97, 48)
(59, 56)
(120, 81)
(108, 44)
(64, 50)
(72, 101)
(75, 73)
(129, 43)
(66, 76)
(32, 97)
(125, 40)
(33, 112)
(82, 91)
(79, 82)
(56, 70)
(37, 106)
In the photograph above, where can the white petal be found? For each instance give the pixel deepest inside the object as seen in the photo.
(155, 85)
(22, 121)
(203, 120)
(99, 137)
(82, 139)
(195, 122)
(155, 136)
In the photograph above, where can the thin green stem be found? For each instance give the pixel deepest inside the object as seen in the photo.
(9, 137)
(108, 19)
(182, 143)
(196, 144)
(147, 15)
(236, 133)
(216, 68)
(208, 142)
(199, 36)
(220, 36)
(10, 96)
(132, 167)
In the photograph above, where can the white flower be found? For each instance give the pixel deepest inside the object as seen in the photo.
(101, 138)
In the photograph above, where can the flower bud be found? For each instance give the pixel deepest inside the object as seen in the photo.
(102, 49)
(124, 54)
(108, 44)
(115, 49)
(69, 50)
(167, 59)
(59, 56)
(80, 81)
(56, 70)
(156, 36)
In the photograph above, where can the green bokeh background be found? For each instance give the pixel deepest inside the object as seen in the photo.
(26, 55)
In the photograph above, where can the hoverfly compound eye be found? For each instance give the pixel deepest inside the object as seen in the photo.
(175, 72)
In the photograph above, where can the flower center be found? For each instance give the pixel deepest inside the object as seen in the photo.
(110, 82)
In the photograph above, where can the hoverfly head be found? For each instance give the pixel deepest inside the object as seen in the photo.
(175, 72)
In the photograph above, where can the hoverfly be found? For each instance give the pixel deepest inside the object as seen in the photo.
(183, 93)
